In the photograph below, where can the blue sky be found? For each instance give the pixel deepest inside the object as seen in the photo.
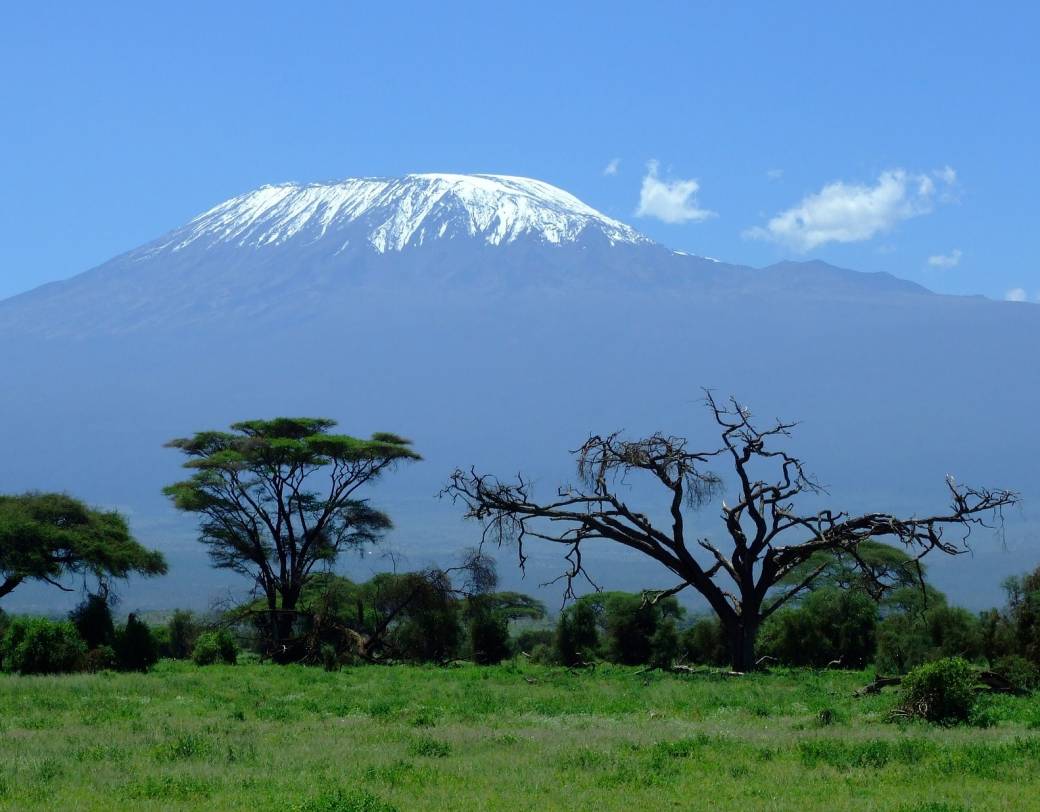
(885, 136)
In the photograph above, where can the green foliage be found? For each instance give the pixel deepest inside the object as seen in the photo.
(924, 632)
(215, 647)
(704, 642)
(1020, 672)
(49, 536)
(665, 647)
(183, 630)
(830, 625)
(876, 567)
(527, 640)
(619, 626)
(577, 634)
(943, 692)
(135, 646)
(514, 606)
(1023, 615)
(427, 628)
(488, 631)
(35, 645)
(102, 658)
(998, 635)
(93, 620)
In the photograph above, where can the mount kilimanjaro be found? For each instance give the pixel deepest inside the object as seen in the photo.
(498, 321)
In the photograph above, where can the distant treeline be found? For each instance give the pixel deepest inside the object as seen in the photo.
(421, 617)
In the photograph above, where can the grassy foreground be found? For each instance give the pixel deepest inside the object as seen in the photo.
(372, 739)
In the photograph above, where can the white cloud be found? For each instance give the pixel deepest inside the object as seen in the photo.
(672, 201)
(1016, 295)
(852, 212)
(612, 167)
(775, 174)
(950, 260)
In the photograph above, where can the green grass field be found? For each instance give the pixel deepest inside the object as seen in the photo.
(258, 737)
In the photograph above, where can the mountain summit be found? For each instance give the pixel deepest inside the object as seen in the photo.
(392, 214)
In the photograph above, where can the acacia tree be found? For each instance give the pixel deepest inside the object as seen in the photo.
(50, 536)
(265, 516)
(768, 536)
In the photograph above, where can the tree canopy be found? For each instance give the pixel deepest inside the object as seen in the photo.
(279, 500)
(50, 536)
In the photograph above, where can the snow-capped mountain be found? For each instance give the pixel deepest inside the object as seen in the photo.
(392, 214)
(497, 321)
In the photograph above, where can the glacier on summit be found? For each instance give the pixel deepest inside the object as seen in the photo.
(391, 214)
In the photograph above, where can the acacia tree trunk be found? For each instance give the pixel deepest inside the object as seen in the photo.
(741, 634)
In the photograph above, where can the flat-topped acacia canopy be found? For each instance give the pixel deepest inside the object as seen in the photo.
(263, 512)
(49, 536)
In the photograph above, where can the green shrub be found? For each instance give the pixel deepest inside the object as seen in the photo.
(577, 636)
(488, 636)
(704, 642)
(830, 625)
(215, 647)
(943, 692)
(530, 639)
(102, 658)
(1022, 674)
(93, 621)
(664, 645)
(919, 635)
(136, 647)
(35, 645)
(183, 631)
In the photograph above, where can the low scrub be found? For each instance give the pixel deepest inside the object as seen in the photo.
(943, 692)
(215, 647)
(35, 645)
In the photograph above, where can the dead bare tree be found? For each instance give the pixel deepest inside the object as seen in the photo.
(768, 537)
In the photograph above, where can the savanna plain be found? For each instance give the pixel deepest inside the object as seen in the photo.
(516, 736)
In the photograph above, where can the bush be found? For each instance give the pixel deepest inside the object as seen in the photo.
(35, 645)
(102, 658)
(943, 692)
(916, 637)
(93, 621)
(530, 639)
(488, 637)
(183, 631)
(577, 638)
(830, 625)
(1022, 674)
(664, 645)
(704, 643)
(215, 647)
(136, 646)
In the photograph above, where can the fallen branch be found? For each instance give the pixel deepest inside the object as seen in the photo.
(998, 683)
(876, 686)
(990, 680)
